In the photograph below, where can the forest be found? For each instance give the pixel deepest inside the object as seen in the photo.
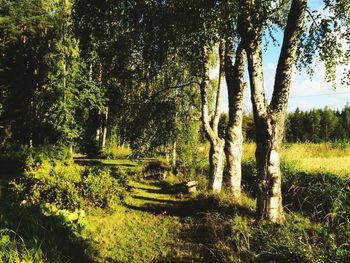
(115, 145)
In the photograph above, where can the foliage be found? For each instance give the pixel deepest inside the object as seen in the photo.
(18, 160)
(58, 184)
(68, 186)
(318, 125)
(315, 125)
(242, 239)
(13, 248)
(113, 151)
(101, 189)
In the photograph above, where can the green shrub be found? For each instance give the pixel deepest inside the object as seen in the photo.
(58, 184)
(48, 153)
(25, 157)
(68, 186)
(101, 189)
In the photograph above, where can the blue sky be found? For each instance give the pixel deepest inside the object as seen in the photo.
(306, 91)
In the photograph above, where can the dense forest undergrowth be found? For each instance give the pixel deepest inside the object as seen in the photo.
(137, 210)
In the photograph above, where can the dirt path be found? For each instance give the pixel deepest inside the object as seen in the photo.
(149, 226)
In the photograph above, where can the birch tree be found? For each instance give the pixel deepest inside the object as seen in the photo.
(217, 144)
(234, 137)
(270, 118)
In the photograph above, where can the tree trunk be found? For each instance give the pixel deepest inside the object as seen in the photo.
(233, 150)
(104, 135)
(234, 137)
(174, 154)
(216, 162)
(269, 139)
(269, 119)
(216, 153)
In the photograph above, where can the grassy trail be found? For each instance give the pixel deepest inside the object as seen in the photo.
(148, 227)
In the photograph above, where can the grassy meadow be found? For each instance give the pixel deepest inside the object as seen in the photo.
(120, 209)
(312, 157)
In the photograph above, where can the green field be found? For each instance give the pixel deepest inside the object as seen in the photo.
(312, 157)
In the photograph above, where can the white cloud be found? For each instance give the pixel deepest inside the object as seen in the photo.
(306, 92)
(309, 92)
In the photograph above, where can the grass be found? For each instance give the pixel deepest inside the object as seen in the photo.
(312, 157)
(157, 222)
(139, 231)
(112, 151)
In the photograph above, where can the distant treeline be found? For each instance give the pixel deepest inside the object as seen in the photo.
(316, 125)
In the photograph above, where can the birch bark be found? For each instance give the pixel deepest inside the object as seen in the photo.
(217, 144)
(234, 137)
(269, 119)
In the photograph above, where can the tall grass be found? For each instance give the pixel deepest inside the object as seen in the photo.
(311, 157)
(115, 152)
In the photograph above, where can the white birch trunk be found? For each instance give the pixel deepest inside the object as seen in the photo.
(174, 154)
(104, 135)
(216, 161)
(216, 154)
(269, 119)
(234, 136)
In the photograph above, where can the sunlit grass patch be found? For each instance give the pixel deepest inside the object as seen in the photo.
(324, 157)
(139, 231)
(116, 152)
(335, 165)
(131, 236)
(311, 157)
(325, 150)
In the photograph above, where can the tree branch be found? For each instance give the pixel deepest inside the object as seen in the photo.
(172, 87)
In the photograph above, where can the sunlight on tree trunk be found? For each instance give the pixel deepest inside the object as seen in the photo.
(234, 137)
(216, 153)
(216, 162)
(269, 119)
(269, 196)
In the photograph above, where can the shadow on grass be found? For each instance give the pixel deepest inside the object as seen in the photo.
(101, 163)
(158, 200)
(163, 190)
(192, 206)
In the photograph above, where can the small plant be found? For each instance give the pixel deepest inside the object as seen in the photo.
(14, 249)
(101, 189)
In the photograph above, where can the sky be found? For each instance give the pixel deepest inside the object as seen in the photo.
(306, 91)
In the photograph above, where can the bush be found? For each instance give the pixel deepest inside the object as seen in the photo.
(68, 186)
(101, 189)
(58, 184)
(48, 153)
(25, 157)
